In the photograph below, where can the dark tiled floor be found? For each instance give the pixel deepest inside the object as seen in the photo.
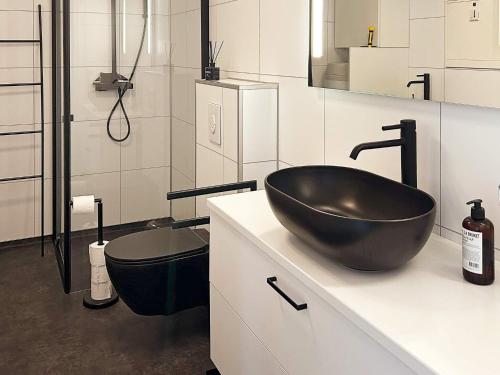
(44, 331)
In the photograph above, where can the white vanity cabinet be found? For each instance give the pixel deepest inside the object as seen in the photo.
(236, 133)
(253, 325)
(407, 321)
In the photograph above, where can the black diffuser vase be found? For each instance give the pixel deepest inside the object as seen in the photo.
(212, 72)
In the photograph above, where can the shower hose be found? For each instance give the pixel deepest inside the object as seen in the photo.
(122, 92)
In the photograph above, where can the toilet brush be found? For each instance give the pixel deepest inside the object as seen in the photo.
(101, 293)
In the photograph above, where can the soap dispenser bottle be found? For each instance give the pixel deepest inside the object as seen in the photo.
(478, 246)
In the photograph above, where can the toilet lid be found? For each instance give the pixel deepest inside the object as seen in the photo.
(156, 244)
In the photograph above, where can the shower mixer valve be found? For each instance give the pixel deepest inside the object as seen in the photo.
(112, 82)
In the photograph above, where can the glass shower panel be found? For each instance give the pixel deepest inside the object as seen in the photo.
(124, 106)
(186, 34)
(120, 134)
(59, 182)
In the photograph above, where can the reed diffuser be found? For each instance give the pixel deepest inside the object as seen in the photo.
(212, 72)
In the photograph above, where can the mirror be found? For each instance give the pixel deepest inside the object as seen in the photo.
(440, 50)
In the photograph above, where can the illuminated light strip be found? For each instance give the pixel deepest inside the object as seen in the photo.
(317, 28)
(150, 17)
(124, 16)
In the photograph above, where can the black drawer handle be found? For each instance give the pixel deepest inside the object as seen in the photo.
(272, 281)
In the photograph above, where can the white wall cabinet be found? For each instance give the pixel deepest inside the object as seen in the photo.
(236, 133)
(472, 34)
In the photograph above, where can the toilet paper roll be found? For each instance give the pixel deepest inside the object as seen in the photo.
(100, 291)
(96, 254)
(99, 274)
(100, 288)
(84, 204)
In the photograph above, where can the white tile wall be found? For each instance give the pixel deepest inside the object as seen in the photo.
(137, 171)
(237, 24)
(16, 25)
(427, 42)
(132, 177)
(320, 126)
(92, 151)
(301, 121)
(18, 153)
(470, 162)
(209, 172)
(90, 39)
(18, 100)
(149, 147)
(183, 208)
(274, 31)
(143, 194)
(426, 8)
(18, 211)
(186, 68)
(150, 96)
(16, 5)
(183, 149)
(258, 171)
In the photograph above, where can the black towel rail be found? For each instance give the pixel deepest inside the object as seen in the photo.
(40, 176)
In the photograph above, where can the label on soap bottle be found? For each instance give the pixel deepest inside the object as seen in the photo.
(472, 251)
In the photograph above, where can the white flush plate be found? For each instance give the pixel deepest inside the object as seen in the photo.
(214, 123)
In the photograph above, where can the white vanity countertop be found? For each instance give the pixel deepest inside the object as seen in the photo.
(424, 313)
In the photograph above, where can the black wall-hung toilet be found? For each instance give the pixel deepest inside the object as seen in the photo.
(164, 271)
(159, 271)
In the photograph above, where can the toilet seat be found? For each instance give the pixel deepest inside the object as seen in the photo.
(156, 245)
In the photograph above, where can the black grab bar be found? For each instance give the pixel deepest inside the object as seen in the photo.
(252, 185)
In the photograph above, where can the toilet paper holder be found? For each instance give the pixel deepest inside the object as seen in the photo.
(100, 221)
(88, 301)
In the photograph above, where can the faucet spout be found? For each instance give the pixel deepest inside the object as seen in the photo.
(375, 145)
(408, 144)
(414, 83)
(426, 81)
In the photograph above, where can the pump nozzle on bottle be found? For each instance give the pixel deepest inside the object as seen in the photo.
(477, 212)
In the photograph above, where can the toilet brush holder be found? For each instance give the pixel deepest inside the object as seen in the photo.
(101, 294)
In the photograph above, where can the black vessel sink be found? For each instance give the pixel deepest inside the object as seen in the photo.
(364, 221)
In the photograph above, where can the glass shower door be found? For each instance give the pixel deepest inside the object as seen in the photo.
(60, 138)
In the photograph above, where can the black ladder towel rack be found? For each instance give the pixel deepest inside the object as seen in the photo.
(41, 175)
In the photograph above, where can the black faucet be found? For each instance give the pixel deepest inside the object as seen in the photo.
(408, 144)
(426, 82)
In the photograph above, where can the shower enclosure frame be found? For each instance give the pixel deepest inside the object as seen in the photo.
(62, 119)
